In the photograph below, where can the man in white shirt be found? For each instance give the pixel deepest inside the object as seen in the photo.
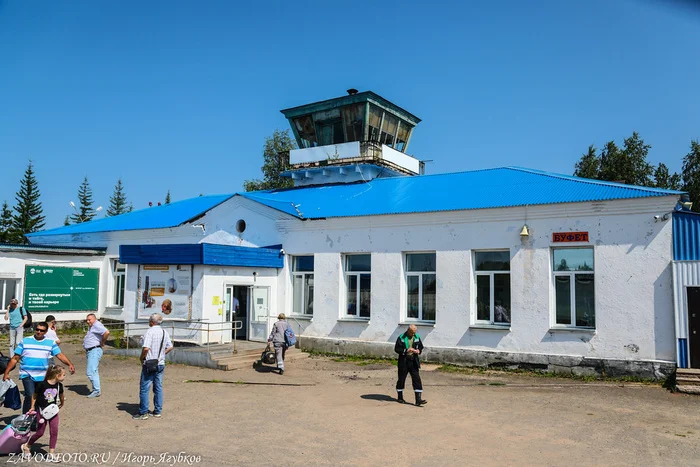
(156, 345)
(51, 333)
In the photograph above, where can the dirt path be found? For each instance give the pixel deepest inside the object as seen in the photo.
(323, 412)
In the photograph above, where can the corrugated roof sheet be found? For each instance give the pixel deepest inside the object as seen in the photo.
(686, 236)
(480, 189)
(156, 217)
(49, 249)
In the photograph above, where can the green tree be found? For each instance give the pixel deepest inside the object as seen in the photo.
(663, 178)
(5, 223)
(691, 174)
(589, 164)
(275, 161)
(636, 169)
(66, 221)
(167, 198)
(117, 203)
(28, 216)
(85, 212)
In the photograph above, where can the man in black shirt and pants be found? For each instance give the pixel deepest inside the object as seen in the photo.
(409, 346)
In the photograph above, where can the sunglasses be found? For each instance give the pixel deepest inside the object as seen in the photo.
(41, 330)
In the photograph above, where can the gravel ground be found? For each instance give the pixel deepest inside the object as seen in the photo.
(323, 412)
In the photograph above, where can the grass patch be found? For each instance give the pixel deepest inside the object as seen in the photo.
(359, 360)
(447, 368)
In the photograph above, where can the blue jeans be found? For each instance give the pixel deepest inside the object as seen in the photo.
(148, 379)
(29, 386)
(93, 367)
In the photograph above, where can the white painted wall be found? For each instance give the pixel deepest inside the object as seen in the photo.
(634, 301)
(12, 266)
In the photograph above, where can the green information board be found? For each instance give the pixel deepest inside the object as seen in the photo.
(50, 288)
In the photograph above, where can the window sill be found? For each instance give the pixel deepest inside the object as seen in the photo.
(301, 317)
(573, 329)
(114, 309)
(491, 327)
(353, 320)
(418, 323)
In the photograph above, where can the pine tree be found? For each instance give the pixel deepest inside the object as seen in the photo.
(85, 212)
(66, 221)
(117, 203)
(6, 224)
(167, 198)
(663, 179)
(28, 216)
(589, 164)
(691, 174)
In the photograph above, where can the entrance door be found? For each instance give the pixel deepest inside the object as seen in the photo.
(694, 326)
(259, 314)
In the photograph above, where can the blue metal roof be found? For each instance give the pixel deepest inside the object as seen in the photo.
(156, 217)
(480, 189)
(686, 236)
(201, 253)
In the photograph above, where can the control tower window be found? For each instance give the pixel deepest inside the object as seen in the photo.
(389, 129)
(306, 131)
(402, 136)
(354, 117)
(375, 119)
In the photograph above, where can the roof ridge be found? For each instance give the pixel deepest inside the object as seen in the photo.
(593, 181)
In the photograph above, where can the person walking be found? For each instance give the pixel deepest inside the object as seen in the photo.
(409, 346)
(17, 320)
(278, 341)
(94, 341)
(33, 355)
(156, 345)
(51, 333)
(48, 392)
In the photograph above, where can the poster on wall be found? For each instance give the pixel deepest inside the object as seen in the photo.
(53, 289)
(158, 283)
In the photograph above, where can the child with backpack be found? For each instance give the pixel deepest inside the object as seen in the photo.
(46, 401)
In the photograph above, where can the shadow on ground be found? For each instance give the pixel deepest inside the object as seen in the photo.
(378, 397)
(128, 407)
(79, 389)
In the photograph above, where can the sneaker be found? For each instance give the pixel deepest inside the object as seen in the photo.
(281, 372)
(94, 394)
(157, 415)
(139, 416)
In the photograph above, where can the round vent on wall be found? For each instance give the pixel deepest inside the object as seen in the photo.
(240, 226)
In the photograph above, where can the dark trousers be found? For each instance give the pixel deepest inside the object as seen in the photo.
(29, 385)
(406, 366)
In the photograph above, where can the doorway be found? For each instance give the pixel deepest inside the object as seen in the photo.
(236, 308)
(694, 326)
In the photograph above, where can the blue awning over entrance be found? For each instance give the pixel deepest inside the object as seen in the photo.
(202, 253)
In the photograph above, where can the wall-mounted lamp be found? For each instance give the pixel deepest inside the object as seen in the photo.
(255, 276)
(525, 232)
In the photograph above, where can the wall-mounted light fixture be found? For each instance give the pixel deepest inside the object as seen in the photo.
(255, 276)
(525, 232)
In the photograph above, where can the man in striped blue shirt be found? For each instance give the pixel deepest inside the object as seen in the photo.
(33, 355)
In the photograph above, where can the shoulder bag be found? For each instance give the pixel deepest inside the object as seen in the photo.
(151, 364)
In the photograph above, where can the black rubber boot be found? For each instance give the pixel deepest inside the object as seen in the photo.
(400, 398)
(419, 400)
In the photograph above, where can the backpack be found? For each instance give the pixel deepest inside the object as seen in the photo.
(289, 338)
(28, 324)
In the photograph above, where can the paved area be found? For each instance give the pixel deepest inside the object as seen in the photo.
(323, 412)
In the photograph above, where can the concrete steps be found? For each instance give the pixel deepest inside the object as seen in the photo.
(688, 380)
(247, 358)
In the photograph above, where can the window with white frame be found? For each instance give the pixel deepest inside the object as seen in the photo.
(492, 269)
(118, 282)
(358, 283)
(8, 291)
(574, 293)
(420, 286)
(303, 285)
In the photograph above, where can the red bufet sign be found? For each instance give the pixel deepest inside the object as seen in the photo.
(565, 237)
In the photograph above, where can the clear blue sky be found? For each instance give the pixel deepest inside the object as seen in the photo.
(180, 95)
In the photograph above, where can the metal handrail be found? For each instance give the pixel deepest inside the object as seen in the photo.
(235, 326)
